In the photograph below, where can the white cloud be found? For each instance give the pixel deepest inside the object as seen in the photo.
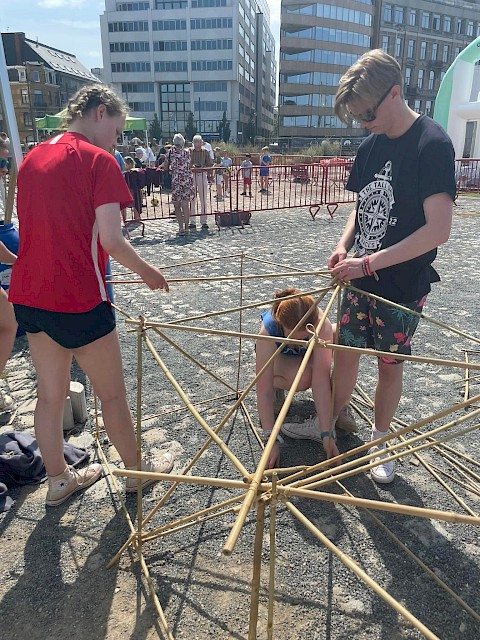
(94, 54)
(56, 4)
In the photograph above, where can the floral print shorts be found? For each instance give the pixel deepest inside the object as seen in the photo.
(370, 324)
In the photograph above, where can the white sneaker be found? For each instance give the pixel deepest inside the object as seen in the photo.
(163, 464)
(307, 430)
(346, 420)
(383, 473)
(6, 403)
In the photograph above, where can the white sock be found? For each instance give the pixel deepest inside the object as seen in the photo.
(378, 434)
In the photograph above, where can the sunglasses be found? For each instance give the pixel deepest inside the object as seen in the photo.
(371, 114)
(4, 163)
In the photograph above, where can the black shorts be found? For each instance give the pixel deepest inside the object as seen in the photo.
(69, 330)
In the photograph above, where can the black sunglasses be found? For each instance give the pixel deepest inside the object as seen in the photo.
(371, 114)
(4, 163)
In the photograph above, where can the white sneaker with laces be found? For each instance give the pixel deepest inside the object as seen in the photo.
(163, 464)
(383, 473)
(307, 430)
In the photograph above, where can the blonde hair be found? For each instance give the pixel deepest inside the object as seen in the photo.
(288, 313)
(367, 79)
(92, 96)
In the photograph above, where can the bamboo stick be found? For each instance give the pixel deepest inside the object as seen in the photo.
(352, 565)
(181, 264)
(274, 264)
(225, 483)
(407, 429)
(240, 328)
(464, 485)
(271, 577)
(140, 336)
(255, 480)
(230, 455)
(153, 594)
(257, 568)
(255, 276)
(418, 561)
(467, 387)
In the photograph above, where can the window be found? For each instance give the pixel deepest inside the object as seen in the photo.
(209, 86)
(398, 15)
(170, 66)
(27, 119)
(125, 67)
(447, 23)
(137, 87)
(411, 49)
(470, 28)
(428, 107)
(169, 25)
(434, 51)
(36, 76)
(425, 20)
(170, 45)
(175, 4)
(446, 51)
(38, 99)
(199, 4)
(133, 6)
(436, 22)
(128, 47)
(122, 27)
(417, 105)
(423, 50)
(412, 17)
(211, 23)
(212, 65)
(398, 47)
(408, 76)
(211, 45)
(431, 80)
(459, 28)
(387, 13)
(385, 43)
(24, 94)
(212, 105)
(420, 78)
(142, 106)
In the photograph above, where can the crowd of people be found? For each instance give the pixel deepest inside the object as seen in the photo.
(63, 305)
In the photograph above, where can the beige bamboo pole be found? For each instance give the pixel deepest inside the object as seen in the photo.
(199, 402)
(225, 483)
(467, 387)
(10, 200)
(252, 305)
(337, 474)
(153, 594)
(257, 569)
(427, 466)
(451, 477)
(418, 561)
(274, 264)
(415, 313)
(255, 276)
(180, 264)
(352, 565)
(271, 578)
(255, 480)
(140, 336)
(367, 445)
(378, 505)
(230, 455)
(240, 329)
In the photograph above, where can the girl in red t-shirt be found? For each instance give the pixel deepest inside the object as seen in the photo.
(70, 192)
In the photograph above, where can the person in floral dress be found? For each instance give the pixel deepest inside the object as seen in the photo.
(183, 192)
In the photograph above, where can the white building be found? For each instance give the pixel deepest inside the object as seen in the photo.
(172, 57)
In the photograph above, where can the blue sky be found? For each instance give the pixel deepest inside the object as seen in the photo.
(73, 25)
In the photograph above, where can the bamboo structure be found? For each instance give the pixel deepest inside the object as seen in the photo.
(264, 488)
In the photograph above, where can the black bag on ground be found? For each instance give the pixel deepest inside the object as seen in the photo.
(233, 218)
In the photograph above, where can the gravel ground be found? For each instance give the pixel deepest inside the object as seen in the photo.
(54, 582)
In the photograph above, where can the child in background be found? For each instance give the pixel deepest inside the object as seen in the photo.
(265, 161)
(247, 175)
(226, 163)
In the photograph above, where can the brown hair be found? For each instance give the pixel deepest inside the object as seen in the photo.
(289, 312)
(90, 97)
(367, 79)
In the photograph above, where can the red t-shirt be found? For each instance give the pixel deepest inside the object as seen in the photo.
(61, 263)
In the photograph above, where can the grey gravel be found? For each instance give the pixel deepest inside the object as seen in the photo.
(54, 582)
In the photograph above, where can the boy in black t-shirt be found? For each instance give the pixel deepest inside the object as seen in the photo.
(404, 177)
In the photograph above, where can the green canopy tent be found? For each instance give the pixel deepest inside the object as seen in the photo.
(55, 122)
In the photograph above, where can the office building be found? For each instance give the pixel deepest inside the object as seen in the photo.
(320, 40)
(206, 57)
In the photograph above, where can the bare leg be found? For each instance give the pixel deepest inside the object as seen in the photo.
(8, 329)
(52, 365)
(185, 207)
(102, 362)
(388, 393)
(178, 215)
(346, 372)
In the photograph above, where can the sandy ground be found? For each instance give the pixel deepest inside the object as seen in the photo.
(54, 582)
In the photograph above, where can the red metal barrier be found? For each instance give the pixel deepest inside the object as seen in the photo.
(287, 186)
(467, 175)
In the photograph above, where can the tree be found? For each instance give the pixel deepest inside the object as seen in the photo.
(155, 128)
(190, 128)
(223, 128)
